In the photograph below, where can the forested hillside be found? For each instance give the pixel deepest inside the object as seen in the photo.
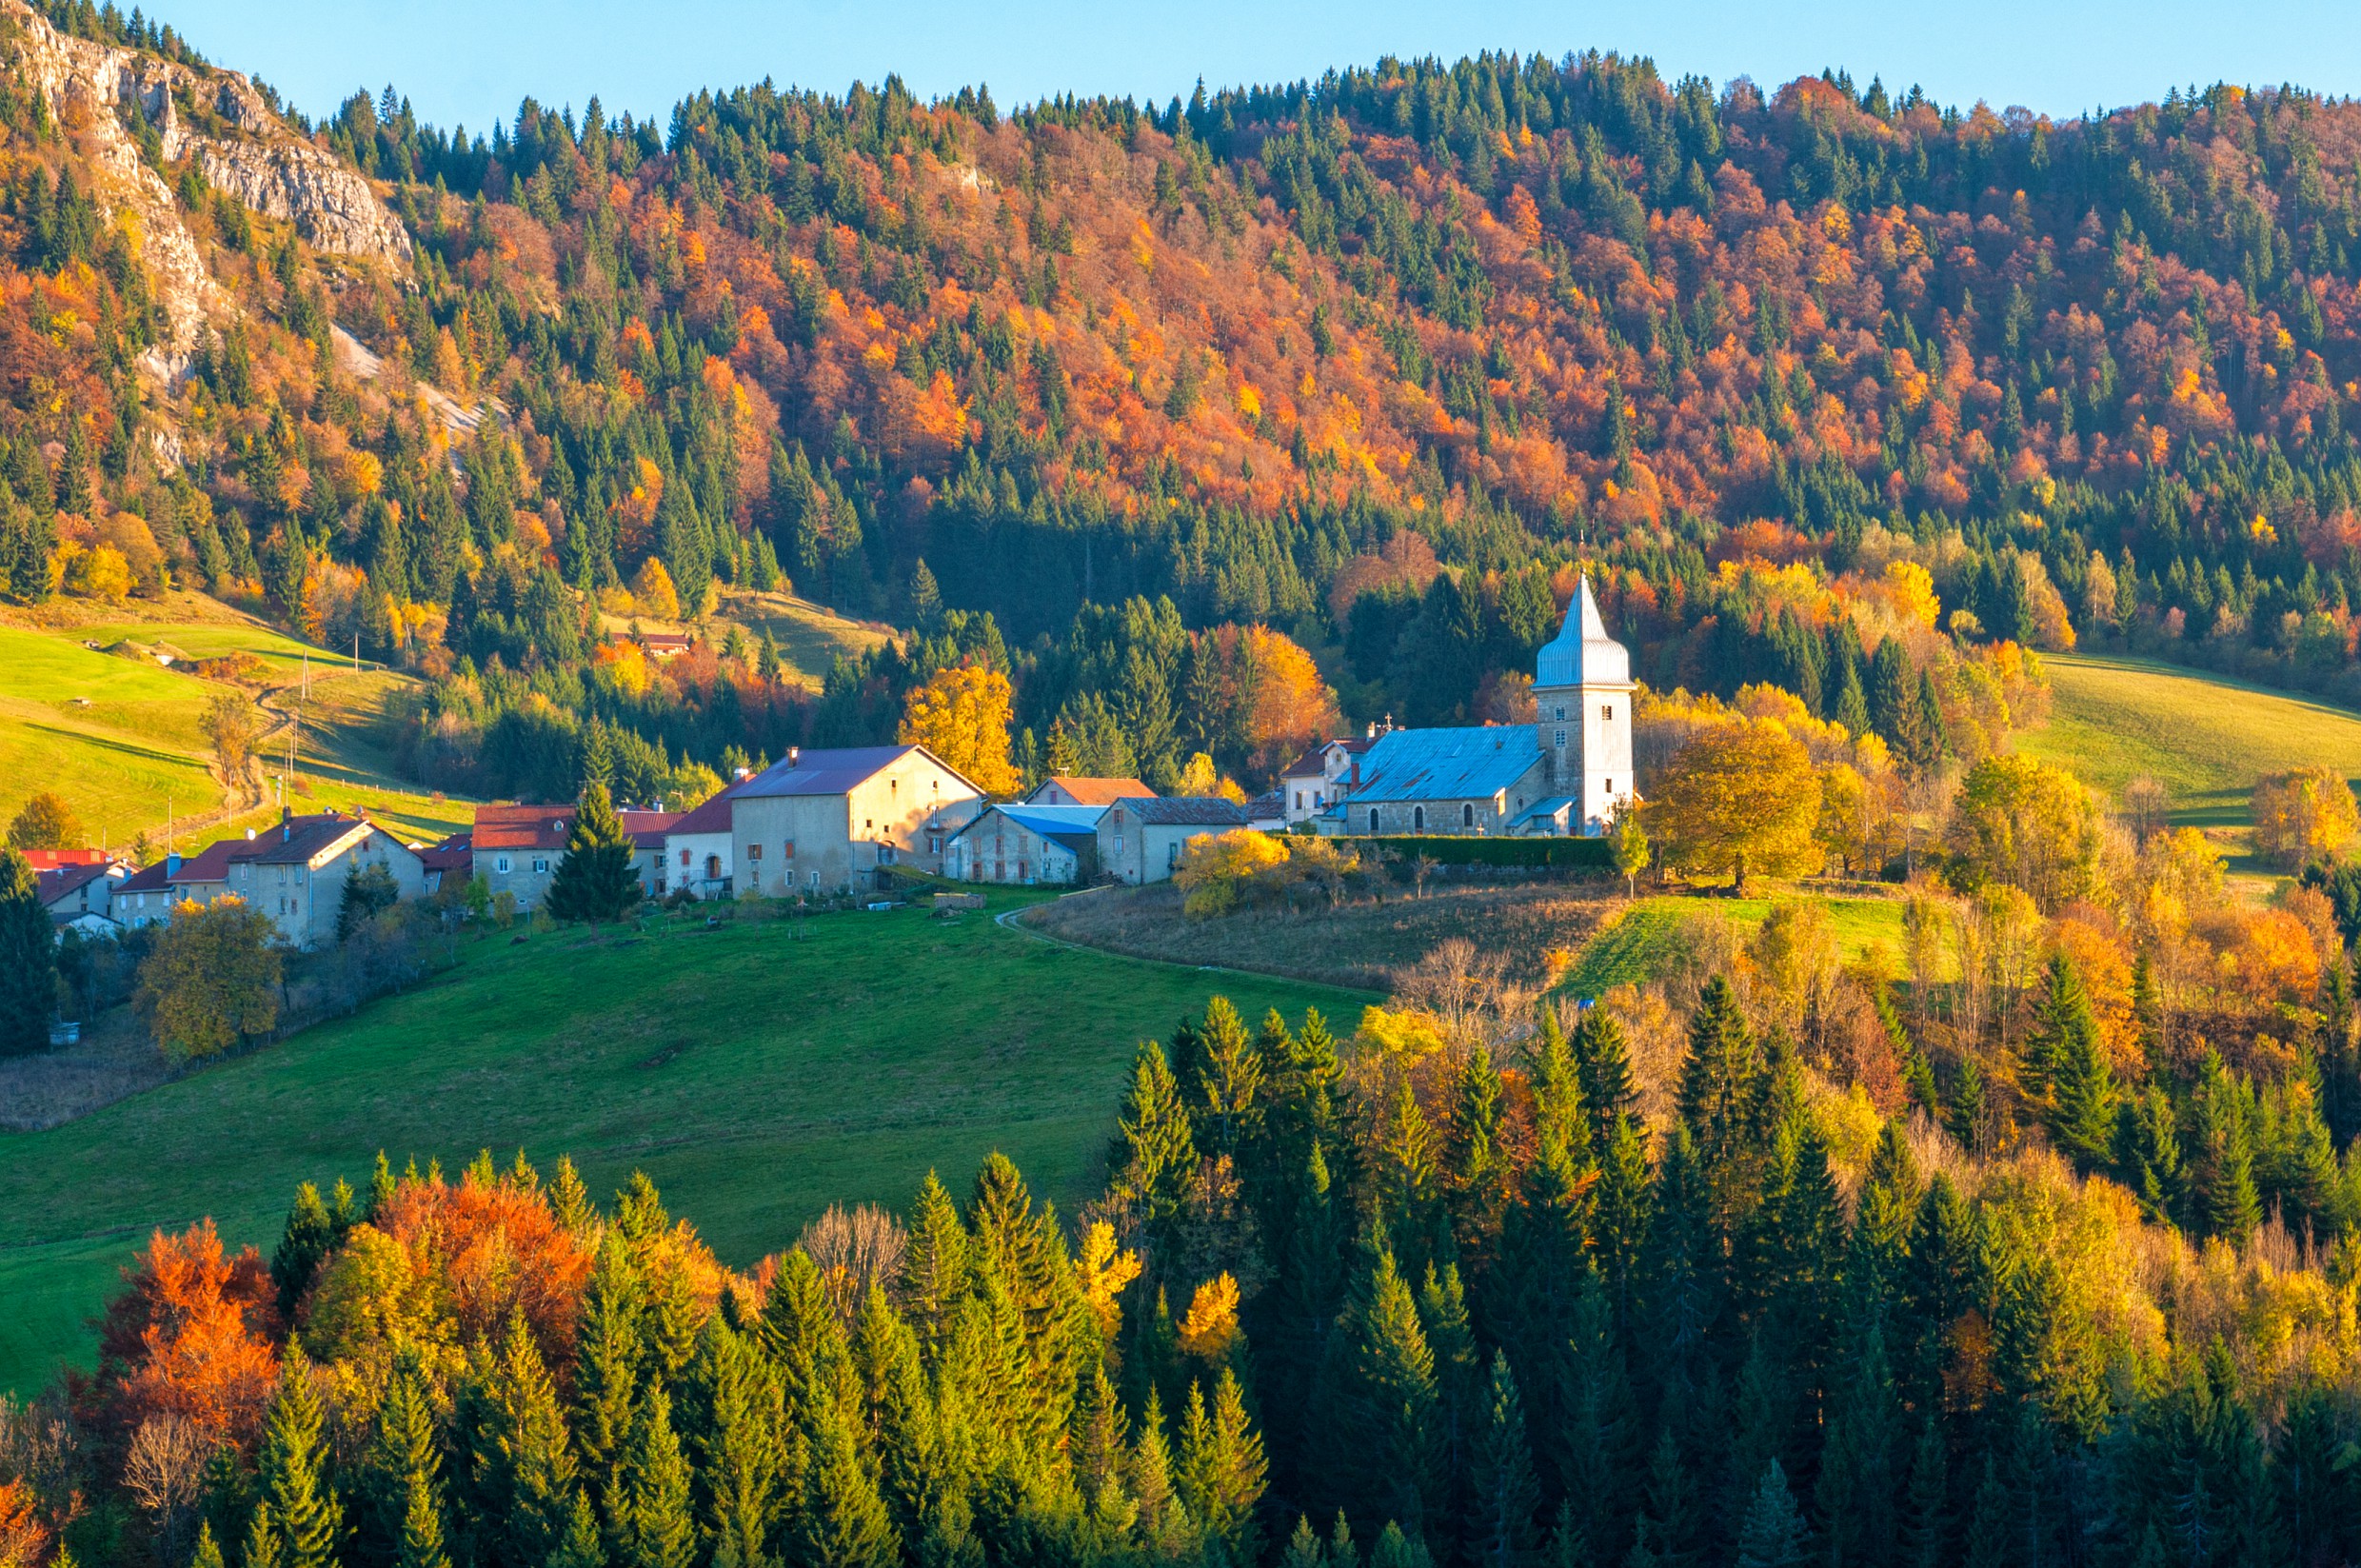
(1369, 362)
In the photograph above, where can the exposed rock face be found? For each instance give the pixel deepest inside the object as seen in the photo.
(254, 156)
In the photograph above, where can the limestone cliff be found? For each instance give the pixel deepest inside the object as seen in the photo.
(214, 117)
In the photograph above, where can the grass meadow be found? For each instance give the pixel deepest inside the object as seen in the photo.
(757, 1071)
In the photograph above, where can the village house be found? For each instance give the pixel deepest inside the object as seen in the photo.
(1067, 789)
(516, 849)
(1570, 774)
(149, 896)
(1140, 841)
(831, 820)
(1322, 777)
(295, 872)
(647, 830)
(697, 856)
(1027, 844)
(80, 892)
(448, 864)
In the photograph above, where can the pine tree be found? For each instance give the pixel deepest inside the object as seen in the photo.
(659, 1531)
(1722, 1092)
(1397, 1398)
(1926, 1532)
(401, 1478)
(523, 1467)
(1502, 1532)
(1153, 1156)
(1228, 1080)
(28, 958)
(291, 1470)
(2227, 1203)
(731, 1424)
(1669, 1522)
(840, 1520)
(1223, 1469)
(1856, 1491)
(1165, 1525)
(307, 1239)
(1603, 1063)
(934, 1265)
(596, 880)
(1773, 1534)
(606, 1380)
(2073, 1068)
(208, 1551)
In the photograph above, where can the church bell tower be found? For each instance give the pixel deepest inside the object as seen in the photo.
(1583, 694)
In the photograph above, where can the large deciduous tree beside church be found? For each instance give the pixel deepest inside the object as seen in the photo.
(1739, 799)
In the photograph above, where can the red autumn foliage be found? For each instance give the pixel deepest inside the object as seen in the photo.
(193, 1335)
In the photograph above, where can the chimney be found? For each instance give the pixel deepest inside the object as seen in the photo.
(171, 863)
(795, 755)
(740, 775)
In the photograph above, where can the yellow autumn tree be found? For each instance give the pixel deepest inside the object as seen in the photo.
(962, 716)
(651, 587)
(1739, 798)
(1292, 706)
(2304, 813)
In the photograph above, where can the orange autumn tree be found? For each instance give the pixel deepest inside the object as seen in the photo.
(962, 716)
(191, 1335)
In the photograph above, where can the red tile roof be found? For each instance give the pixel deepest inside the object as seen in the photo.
(522, 827)
(1086, 791)
(712, 816)
(49, 860)
(647, 828)
(67, 880)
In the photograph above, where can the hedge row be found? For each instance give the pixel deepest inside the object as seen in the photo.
(1451, 850)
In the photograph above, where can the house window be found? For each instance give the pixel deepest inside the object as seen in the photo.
(541, 866)
(1467, 816)
(684, 862)
(1610, 786)
(1418, 819)
(815, 879)
(1607, 712)
(884, 854)
(1562, 737)
(501, 865)
(754, 853)
(934, 844)
(1298, 800)
(787, 850)
(713, 866)
(1119, 844)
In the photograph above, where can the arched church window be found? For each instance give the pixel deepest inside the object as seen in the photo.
(1467, 816)
(1418, 819)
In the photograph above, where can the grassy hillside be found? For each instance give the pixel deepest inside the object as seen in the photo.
(1650, 938)
(2206, 739)
(87, 712)
(757, 1071)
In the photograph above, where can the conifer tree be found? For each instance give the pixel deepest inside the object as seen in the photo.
(595, 881)
(522, 1463)
(291, 1470)
(401, 1478)
(2072, 1066)
(1502, 1532)
(1926, 1533)
(934, 1265)
(307, 1239)
(1773, 1534)
(1603, 1064)
(1223, 1469)
(2227, 1203)
(1670, 1524)
(1164, 1525)
(1153, 1156)
(208, 1551)
(732, 1429)
(1625, 1213)
(608, 1350)
(28, 958)
(659, 1530)
(1397, 1398)
(1860, 1465)
(1722, 1091)
(1227, 1094)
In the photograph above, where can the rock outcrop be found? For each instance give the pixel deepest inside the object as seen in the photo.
(242, 148)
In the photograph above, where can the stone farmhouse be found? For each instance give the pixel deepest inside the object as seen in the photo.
(1064, 789)
(516, 849)
(1026, 843)
(1140, 841)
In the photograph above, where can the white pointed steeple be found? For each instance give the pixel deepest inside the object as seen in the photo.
(1581, 691)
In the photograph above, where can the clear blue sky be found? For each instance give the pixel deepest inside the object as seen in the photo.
(472, 60)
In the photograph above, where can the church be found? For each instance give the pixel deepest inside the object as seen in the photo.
(1569, 775)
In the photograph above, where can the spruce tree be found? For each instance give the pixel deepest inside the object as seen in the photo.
(1502, 1531)
(291, 1470)
(208, 1551)
(1152, 1159)
(595, 882)
(2081, 1095)
(840, 1520)
(1397, 1400)
(28, 960)
(606, 1380)
(659, 1530)
(1723, 1088)
(523, 1465)
(308, 1234)
(732, 1428)
(1223, 1469)
(1773, 1534)
(934, 1264)
(401, 1477)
